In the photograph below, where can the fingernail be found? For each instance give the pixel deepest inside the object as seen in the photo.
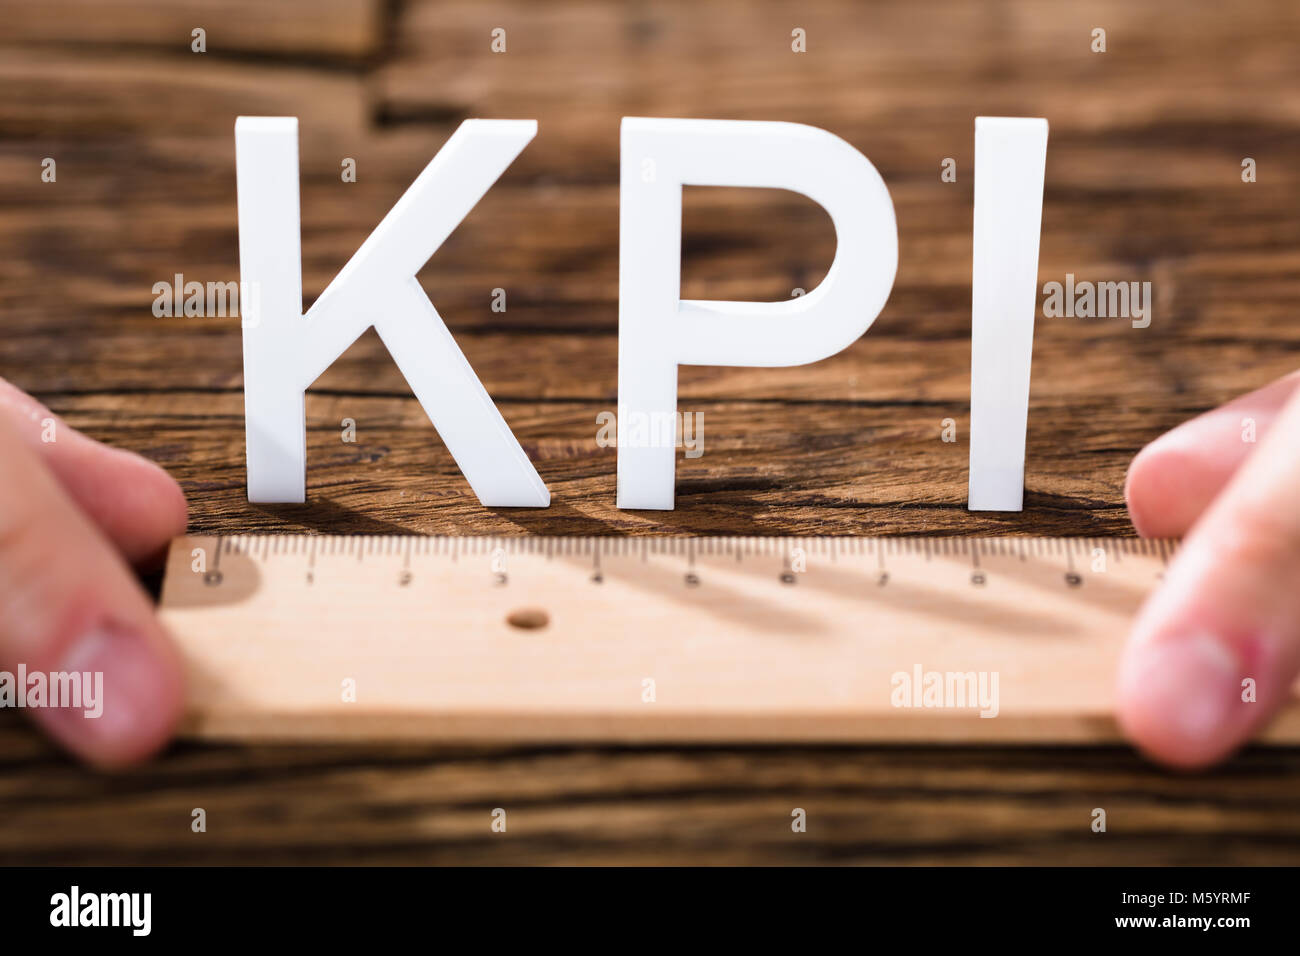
(1181, 699)
(134, 683)
(1133, 514)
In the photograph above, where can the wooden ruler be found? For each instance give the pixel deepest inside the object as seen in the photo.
(658, 639)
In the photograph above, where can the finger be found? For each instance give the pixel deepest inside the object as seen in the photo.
(137, 504)
(69, 604)
(1173, 480)
(1228, 612)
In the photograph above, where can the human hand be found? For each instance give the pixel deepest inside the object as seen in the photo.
(1229, 607)
(73, 514)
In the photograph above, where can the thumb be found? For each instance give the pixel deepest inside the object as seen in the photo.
(69, 605)
(1214, 652)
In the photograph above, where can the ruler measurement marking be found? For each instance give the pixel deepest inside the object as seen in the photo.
(1075, 552)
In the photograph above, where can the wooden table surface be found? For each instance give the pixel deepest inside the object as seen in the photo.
(1143, 184)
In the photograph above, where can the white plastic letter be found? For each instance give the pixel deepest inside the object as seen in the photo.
(658, 330)
(285, 351)
(1010, 161)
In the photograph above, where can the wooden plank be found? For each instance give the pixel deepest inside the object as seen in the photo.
(735, 246)
(322, 29)
(60, 94)
(432, 804)
(766, 466)
(577, 67)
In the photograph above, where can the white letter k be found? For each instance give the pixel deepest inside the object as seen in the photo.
(285, 351)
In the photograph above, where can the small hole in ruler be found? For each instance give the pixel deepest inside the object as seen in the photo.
(528, 618)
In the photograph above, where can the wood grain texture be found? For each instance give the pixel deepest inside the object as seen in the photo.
(1143, 183)
(323, 31)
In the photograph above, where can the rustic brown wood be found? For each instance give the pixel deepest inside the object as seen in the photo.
(326, 30)
(1143, 183)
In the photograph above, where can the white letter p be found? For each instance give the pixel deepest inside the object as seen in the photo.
(657, 330)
